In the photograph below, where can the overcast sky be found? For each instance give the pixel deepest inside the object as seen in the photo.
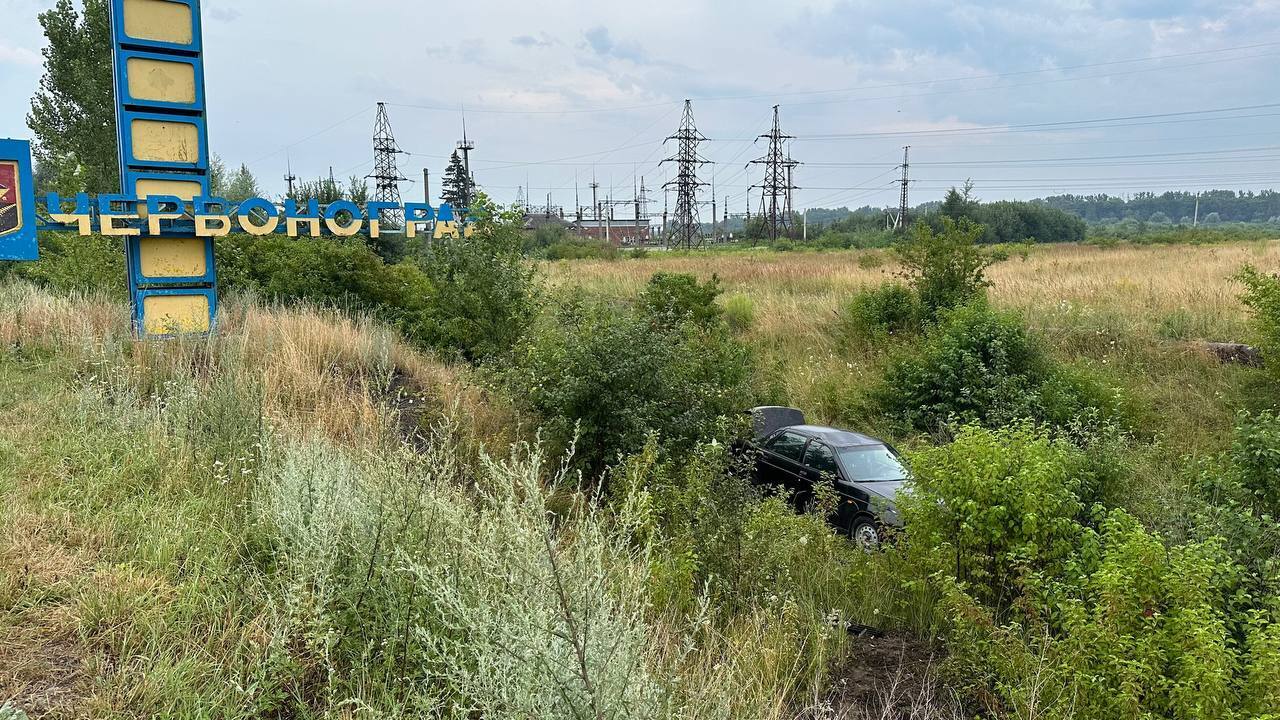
(557, 90)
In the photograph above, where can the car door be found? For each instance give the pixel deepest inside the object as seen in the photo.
(781, 462)
(821, 467)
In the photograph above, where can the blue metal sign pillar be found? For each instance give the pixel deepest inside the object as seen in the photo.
(17, 202)
(164, 155)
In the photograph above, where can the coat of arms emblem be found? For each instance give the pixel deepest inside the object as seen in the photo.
(11, 219)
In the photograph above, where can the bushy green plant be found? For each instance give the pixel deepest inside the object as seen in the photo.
(1262, 296)
(1138, 629)
(1256, 457)
(946, 268)
(611, 375)
(672, 298)
(484, 293)
(71, 263)
(328, 272)
(1240, 494)
(992, 507)
(889, 310)
(979, 365)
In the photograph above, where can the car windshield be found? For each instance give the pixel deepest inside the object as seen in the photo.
(871, 463)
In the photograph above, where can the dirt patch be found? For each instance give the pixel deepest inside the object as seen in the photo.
(409, 400)
(891, 677)
(42, 671)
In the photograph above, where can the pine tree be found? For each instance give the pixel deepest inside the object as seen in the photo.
(456, 186)
(357, 190)
(73, 112)
(242, 186)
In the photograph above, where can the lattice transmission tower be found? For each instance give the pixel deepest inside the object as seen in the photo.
(386, 177)
(775, 191)
(904, 203)
(685, 230)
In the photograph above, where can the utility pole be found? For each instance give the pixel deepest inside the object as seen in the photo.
(595, 202)
(426, 186)
(642, 208)
(686, 229)
(775, 191)
(289, 177)
(577, 203)
(466, 146)
(386, 177)
(903, 202)
(666, 197)
(1195, 222)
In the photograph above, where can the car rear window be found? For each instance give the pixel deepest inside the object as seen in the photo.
(788, 444)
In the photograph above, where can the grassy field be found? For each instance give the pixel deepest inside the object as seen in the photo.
(1145, 290)
(1134, 310)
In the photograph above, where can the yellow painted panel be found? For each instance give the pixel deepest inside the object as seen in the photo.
(144, 187)
(174, 314)
(165, 141)
(185, 189)
(172, 257)
(161, 80)
(158, 20)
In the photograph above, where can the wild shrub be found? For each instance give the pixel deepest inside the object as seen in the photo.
(992, 507)
(947, 267)
(875, 315)
(979, 365)
(1139, 629)
(389, 589)
(1256, 459)
(612, 375)
(1240, 500)
(672, 298)
(1262, 296)
(70, 263)
(484, 295)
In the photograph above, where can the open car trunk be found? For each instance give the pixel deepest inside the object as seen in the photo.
(766, 419)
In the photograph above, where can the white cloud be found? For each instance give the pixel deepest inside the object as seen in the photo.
(10, 55)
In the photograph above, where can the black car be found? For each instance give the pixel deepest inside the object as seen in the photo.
(865, 472)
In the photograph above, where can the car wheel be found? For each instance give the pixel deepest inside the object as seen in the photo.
(808, 504)
(865, 534)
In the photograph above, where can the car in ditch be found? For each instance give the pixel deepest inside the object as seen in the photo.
(866, 474)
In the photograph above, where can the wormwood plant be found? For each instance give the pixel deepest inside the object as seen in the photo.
(452, 603)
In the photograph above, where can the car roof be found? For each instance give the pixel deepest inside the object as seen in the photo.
(834, 436)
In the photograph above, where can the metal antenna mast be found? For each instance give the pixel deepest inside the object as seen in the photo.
(775, 191)
(466, 146)
(289, 177)
(686, 229)
(903, 204)
(385, 176)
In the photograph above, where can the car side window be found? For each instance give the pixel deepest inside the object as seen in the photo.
(788, 444)
(821, 458)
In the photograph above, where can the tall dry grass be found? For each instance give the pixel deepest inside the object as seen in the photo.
(314, 368)
(1135, 311)
(795, 293)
